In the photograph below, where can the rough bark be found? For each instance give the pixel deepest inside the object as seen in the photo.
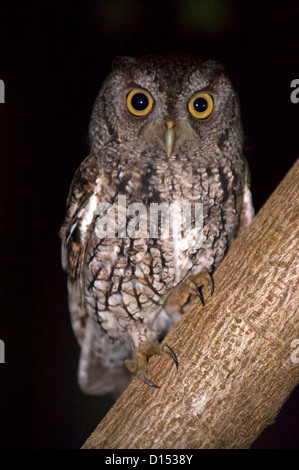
(235, 354)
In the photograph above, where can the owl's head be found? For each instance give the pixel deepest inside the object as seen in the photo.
(166, 101)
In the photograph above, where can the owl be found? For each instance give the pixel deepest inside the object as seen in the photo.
(165, 135)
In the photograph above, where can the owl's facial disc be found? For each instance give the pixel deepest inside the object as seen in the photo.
(169, 137)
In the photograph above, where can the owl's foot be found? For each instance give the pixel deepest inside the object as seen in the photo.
(139, 365)
(187, 290)
(198, 282)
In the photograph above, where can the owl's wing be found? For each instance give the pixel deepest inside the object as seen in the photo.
(247, 211)
(74, 233)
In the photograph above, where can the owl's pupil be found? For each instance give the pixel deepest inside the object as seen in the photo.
(200, 105)
(139, 101)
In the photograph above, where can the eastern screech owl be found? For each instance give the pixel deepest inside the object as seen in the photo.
(163, 131)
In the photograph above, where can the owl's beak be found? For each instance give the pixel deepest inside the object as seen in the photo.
(169, 137)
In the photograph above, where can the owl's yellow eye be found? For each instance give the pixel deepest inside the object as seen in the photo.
(139, 102)
(201, 105)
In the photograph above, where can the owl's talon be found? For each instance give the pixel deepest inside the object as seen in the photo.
(139, 365)
(147, 381)
(197, 283)
(166, 349)
(180, 297)
(194, 287)
(210, 281)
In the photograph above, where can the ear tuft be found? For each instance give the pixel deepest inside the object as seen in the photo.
(123, 63)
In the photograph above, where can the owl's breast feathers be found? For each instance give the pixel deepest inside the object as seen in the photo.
(128, 276)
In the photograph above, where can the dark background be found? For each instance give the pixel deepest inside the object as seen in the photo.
(53, 59)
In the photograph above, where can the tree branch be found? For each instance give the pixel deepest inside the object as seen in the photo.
(235, 364)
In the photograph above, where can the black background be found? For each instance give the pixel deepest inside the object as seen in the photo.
(53, 59)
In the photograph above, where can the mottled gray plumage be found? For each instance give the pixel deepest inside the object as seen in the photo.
(118, 286)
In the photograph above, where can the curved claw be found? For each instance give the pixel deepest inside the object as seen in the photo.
(211, 282)
(148, 381)
(198, 292)
(139, 364)
(166, 349)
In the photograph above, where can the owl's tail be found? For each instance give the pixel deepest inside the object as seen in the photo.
(94, 378)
